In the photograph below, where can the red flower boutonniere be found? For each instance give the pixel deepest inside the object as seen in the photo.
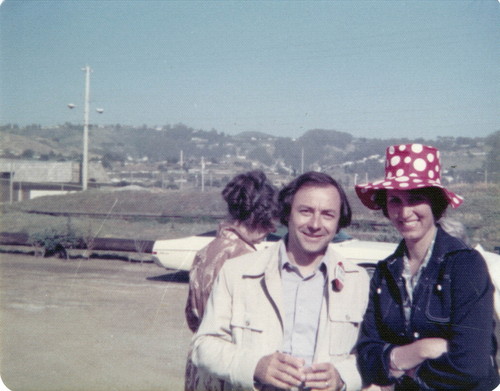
(338, 277)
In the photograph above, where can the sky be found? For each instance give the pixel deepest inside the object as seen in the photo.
(376, 69)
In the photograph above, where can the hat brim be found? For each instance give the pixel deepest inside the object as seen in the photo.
(367, 192)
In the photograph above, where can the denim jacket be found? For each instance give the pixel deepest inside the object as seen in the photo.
(452, 300)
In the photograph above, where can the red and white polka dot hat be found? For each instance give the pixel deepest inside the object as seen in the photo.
(407, 167)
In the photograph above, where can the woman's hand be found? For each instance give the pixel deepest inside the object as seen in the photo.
(430, 348)
(404, 359)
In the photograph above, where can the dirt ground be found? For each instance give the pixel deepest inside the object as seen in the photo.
(93, 324)
(98, 324)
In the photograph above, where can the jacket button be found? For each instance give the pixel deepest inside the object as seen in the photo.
(379, 291)
(247, 323)
(416, 334)
(439, 287)
(347, 317)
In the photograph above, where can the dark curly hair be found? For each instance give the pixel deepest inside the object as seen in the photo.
(251, 200)
(312, 178)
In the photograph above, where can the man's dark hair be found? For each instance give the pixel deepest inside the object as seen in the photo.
(438, 200)
(314, 179)
(251, 199)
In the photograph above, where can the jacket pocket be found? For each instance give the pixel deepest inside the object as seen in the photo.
(343, 336)
(438, 301)
(245, 328)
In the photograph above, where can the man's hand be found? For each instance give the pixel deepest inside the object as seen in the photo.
(323, 376)
(280, 370)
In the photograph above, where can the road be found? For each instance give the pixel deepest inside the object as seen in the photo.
(91, 325)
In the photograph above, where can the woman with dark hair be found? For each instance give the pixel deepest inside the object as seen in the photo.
(429, 323)
(252, 213)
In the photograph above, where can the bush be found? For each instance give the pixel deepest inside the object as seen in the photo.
(55, 242)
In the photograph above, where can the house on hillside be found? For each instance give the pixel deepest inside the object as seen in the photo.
(26, 179)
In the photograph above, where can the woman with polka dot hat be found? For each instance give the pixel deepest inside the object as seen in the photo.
(408, 166)
(429, 323)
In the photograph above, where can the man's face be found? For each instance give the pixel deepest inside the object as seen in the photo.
(313, 222)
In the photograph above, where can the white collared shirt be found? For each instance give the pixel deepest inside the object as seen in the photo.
(412, 281)
(302, 300)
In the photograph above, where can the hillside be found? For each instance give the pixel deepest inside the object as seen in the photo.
(464, 159)
(151, 158)
(17, 144)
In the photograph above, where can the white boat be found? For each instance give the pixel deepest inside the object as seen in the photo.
(178, 254)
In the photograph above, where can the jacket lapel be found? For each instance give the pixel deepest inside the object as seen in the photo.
(273, 288)
(266, 267)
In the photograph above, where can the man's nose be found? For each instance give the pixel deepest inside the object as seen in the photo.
(315, 221)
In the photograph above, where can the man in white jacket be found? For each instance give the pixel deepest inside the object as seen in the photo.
(288, 316)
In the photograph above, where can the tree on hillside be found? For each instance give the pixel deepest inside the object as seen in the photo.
(110, 158)
(289, 151)
(321, 138)
(260, 154)
(28, 154)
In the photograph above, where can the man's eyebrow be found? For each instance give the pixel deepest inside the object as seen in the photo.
(305, 206)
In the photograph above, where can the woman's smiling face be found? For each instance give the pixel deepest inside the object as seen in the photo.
(411, 214)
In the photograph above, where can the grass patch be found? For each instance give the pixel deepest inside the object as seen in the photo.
(175, 214)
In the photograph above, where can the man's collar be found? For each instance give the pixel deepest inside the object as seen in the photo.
(283, 256)
(284, 260)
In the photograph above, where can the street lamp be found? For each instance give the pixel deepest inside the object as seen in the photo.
(86, 116)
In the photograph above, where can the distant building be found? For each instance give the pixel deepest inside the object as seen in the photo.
(26, 179)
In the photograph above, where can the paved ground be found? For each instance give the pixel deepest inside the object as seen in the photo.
(91, 325)
(100, 325)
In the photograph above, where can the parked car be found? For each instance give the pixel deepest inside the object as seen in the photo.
(178, 254)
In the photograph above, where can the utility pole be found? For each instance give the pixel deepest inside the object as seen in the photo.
(202, 174)
(11, 184)
(86, 113)
(182, 169)
(302, 161)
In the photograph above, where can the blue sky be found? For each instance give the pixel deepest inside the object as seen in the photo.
(370, 68)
